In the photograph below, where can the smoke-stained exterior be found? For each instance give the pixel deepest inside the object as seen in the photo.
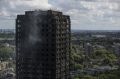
(43, 45)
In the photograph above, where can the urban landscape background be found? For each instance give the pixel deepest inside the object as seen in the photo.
(95, 35)
(95, 54)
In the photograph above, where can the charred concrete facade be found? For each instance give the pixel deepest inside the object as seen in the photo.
(43, 45)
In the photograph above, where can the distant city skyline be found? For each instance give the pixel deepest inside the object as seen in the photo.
(85, 14)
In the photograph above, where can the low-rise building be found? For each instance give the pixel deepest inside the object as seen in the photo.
(3, 65)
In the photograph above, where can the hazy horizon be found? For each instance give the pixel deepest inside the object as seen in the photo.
(74, 29)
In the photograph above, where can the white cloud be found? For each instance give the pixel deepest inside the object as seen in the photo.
(96, 13)
(4, 13)
(11, 7)
(84, 13)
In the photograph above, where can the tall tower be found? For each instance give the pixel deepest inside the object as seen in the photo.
(43, 45)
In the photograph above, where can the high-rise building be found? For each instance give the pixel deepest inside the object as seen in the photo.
(43, 45)
(88, 49)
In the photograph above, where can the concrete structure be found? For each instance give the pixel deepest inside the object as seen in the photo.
(116, 49)
(43, 45)
(88, 49)
(3, 65)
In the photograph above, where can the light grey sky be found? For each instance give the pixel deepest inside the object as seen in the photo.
(85, 14)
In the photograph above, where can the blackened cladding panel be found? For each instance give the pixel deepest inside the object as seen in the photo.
(63, 46)
(42, 45)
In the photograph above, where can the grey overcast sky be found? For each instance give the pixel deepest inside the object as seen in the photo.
(85, 14)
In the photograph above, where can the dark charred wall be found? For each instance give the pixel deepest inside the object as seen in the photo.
(42, 45)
